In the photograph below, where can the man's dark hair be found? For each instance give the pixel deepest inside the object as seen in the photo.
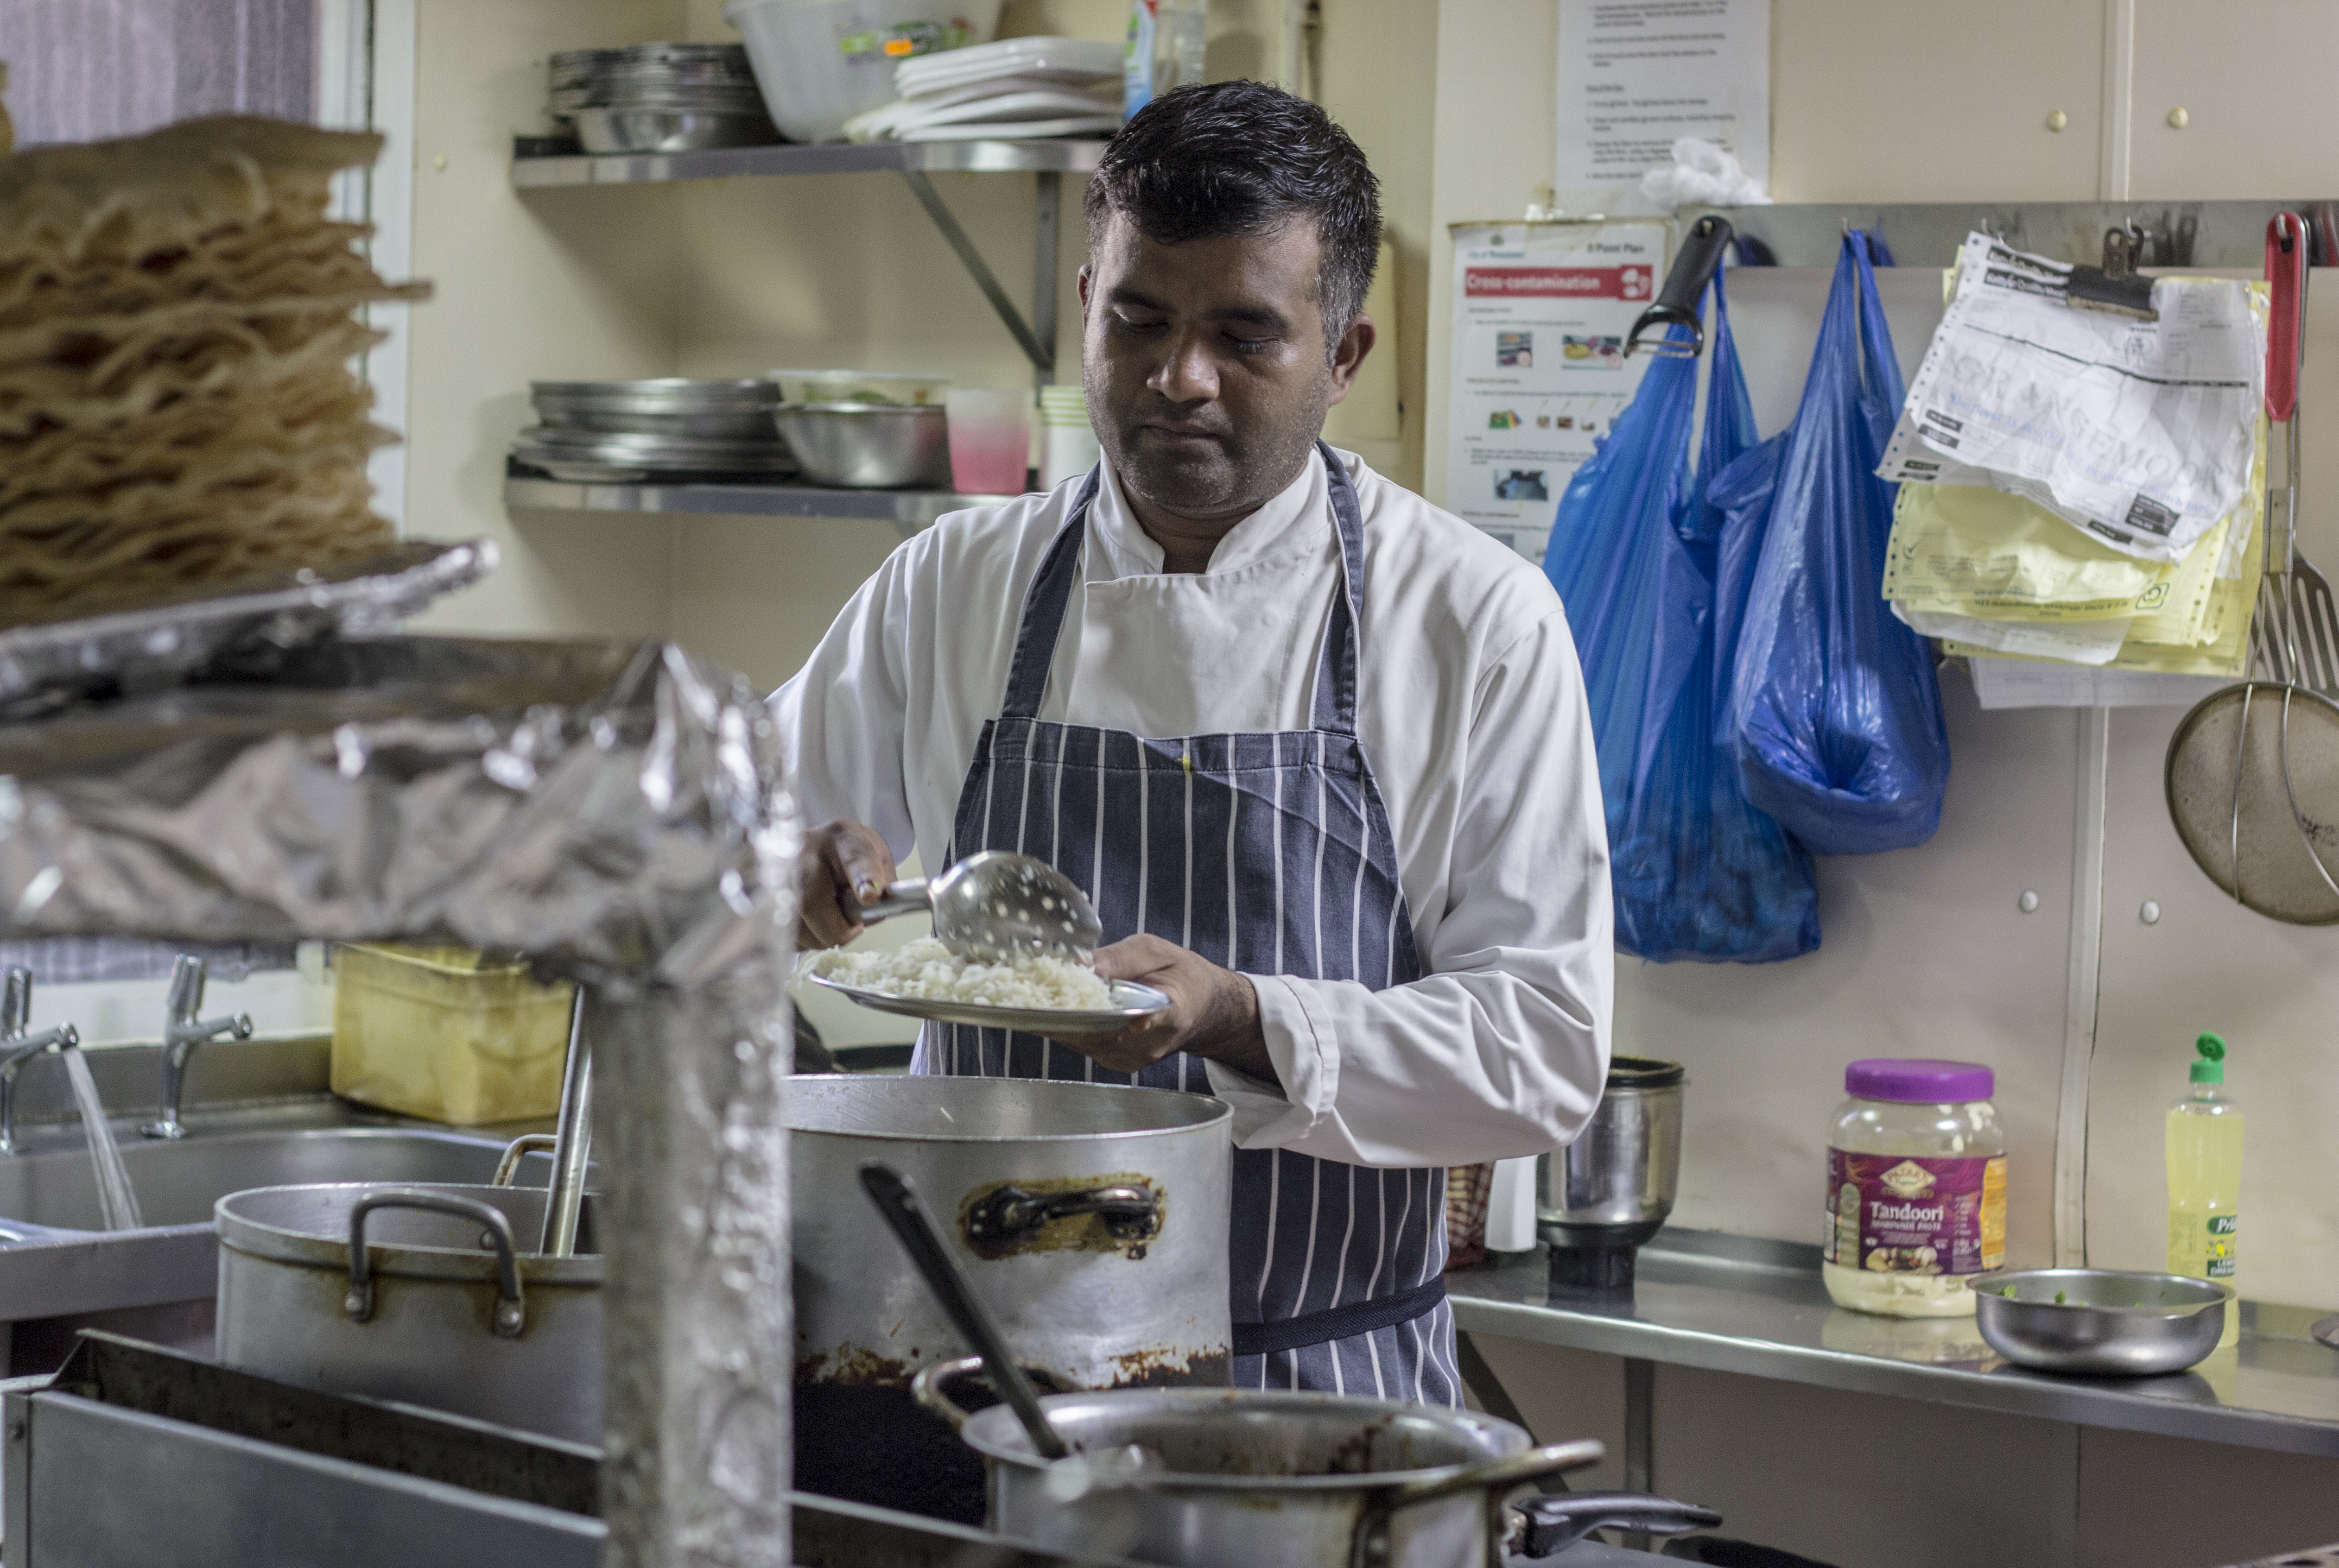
(1246, 158)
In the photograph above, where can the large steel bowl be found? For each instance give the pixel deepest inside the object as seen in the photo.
(2105, 1322)
(643, 128)
(869, 446)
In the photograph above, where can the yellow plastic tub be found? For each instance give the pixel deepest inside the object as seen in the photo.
(427, 1031)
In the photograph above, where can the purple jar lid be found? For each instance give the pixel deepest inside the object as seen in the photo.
(1919, 1080)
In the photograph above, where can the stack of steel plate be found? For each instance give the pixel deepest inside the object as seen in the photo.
(621, 432)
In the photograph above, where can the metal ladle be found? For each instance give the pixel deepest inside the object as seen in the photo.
(1071, 1474)
(997, 906)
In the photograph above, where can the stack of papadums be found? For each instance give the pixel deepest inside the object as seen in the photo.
(178, 411)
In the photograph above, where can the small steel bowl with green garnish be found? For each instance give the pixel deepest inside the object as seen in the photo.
(2105, 1322)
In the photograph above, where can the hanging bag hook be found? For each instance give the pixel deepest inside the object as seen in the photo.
(1676, 305)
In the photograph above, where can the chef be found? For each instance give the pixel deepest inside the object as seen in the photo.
(1319, 751)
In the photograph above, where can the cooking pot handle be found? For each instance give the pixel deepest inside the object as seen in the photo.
(511, 1308)
(1496, 1478)
(527, 1143)
(1563, 1518)
(931, 1386)
(1133, 1211)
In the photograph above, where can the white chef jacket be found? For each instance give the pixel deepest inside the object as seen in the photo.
(1471, 711)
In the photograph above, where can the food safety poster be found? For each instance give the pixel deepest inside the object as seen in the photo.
(1541, 313)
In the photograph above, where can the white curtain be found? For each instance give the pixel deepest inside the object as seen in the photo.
(85, 70)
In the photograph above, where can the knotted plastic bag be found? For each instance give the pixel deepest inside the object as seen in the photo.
(1834, 714)
(1697, 871)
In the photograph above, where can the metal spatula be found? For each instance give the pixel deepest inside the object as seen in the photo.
(997, 905)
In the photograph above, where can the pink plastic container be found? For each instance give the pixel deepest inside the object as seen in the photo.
(990, 440)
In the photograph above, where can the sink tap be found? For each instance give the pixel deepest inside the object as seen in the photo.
(180, 1035)
(17, 1047)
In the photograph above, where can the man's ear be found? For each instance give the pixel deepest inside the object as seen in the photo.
(1084, 292)
(1347, 355)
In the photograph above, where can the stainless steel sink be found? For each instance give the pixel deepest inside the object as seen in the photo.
(258, 1115)
(55, 1190)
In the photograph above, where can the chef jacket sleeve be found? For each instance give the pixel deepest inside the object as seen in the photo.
(1502, 1049)
(842, 716)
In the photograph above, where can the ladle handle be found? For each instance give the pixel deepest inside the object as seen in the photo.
(912, 897)
(897, 1200)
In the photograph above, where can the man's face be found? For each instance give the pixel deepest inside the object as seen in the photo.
(1205, 364)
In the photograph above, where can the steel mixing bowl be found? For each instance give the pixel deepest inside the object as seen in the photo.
(869, 446)
(623, 129)
(2107, 1322)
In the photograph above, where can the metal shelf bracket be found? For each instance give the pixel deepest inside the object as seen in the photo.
(1036, 337)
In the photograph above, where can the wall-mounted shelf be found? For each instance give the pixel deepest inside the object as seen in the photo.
(1047, 160)
(907, 510)
(1050, 157)
(1928, 233)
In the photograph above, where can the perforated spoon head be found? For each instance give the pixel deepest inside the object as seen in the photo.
(997, 906)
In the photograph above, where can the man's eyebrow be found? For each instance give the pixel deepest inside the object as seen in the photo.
(1248, 315)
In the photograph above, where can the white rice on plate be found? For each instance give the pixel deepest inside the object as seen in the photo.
(926, 971)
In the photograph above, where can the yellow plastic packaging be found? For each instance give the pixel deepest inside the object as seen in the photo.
(427, 1031)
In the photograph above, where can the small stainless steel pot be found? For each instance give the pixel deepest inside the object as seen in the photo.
(1291, 1480)
(1091, 1221)
(869, 446)
(416, 1294)
(2107, 1322)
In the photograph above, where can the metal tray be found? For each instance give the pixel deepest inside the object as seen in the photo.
(1132, 1004)
(44, 666)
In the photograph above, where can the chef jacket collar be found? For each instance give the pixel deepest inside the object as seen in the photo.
(1296, 519)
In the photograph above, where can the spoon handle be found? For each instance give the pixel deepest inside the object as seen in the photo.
(897, 1200)
(912, 897)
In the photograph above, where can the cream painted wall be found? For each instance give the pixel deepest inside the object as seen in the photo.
(527, 289)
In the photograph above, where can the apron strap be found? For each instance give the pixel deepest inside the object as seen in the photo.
(1335, 705)
(1044, 609)
(1368, 1316)
(1336, 667)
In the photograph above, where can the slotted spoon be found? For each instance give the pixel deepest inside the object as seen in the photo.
(997, 905)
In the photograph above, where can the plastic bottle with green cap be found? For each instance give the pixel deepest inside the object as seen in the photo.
(2204, 1179)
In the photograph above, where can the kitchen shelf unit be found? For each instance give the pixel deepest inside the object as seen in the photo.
(1047, 161)
(908, 510)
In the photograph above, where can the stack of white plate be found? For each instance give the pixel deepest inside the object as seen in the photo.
(1015, 88)
(621, 432)
(659, 98)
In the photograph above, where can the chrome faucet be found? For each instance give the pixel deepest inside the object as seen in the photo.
(17, 1047)
(180, 1035)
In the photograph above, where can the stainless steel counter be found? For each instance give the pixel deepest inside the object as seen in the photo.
(1732, 1303)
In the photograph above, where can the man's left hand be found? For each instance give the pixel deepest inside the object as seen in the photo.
(1213, 1013)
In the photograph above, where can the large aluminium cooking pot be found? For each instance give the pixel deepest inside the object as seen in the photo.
(1092, 1220)
(414, 1293)
(1287, 1479)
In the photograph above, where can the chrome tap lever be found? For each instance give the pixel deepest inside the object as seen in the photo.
(184, 1031)
(18, 1046)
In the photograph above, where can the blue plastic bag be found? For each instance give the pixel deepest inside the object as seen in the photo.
(1834, 713)
(1697, 873)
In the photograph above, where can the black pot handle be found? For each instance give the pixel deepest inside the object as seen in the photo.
(1561, 1519)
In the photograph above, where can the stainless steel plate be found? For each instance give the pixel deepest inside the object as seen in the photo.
(162, 644)
(1132, 1003)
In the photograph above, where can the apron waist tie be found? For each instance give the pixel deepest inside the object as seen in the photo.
(1338, 1322)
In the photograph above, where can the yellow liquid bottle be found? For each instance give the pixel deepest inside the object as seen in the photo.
(2204, 1180)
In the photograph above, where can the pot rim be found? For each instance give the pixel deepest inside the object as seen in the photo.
(1221, 1114)
(309, 1249)
(1210, 1481)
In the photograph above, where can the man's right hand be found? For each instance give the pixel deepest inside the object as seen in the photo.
(844, 866)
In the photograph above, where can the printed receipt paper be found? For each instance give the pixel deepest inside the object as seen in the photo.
(2139, 431)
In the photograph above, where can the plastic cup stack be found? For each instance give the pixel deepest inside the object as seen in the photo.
(990, 439)
(1068, 443)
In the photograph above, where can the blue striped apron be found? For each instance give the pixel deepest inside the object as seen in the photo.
(1266, 853)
